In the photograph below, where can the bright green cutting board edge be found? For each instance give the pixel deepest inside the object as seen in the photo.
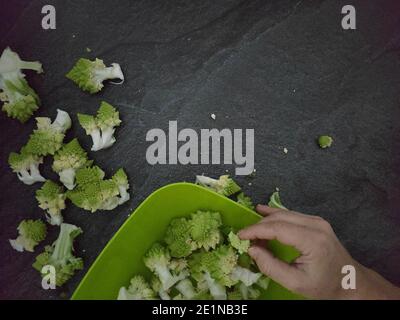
(122, 257)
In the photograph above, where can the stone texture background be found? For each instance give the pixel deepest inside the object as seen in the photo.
(285, 68)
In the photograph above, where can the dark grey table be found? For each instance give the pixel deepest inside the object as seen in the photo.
(285, 68)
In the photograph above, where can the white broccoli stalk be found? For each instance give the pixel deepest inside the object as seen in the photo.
(217, 290)
(185, 287)
(102, 127)
(10, 62)
(245, 276)
(26, 166)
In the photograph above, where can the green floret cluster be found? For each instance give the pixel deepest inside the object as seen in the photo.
(197, 261)
(20, 101)
(93, 192)
(31, 233)
(89, 75)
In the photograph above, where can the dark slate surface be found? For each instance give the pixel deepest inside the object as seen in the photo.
(285, 68)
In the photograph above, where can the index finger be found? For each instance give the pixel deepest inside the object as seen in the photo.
(288, 233)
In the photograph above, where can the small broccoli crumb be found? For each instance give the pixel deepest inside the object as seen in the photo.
(285, 150)
(325, 141)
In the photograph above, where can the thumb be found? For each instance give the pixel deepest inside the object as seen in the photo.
(278, 270)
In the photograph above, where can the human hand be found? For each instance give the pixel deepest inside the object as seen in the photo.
(317, 273)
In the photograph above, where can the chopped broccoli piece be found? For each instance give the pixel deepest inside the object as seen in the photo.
(121, 180)
(245, 201)
(158, 260)
(242, 246)
(51, 197)
(89, 75)
(31, 232)
(325, 141)
(67, 160)
(93, 193)
(138, 289)
(26, 166)
(275, 201)
(178, 238)
(224, 185)
(217, 291)
(205, 229)
(218, 263)
(49, 136)
(60, 256)
(102, 127)
(20, 100)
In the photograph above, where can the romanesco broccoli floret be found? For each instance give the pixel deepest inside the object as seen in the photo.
(219, 264)
(89, 75)
(60, 255)
(20, 100)
(67, 160)
(275, 201)
(26, 166)
(31, 233)
(49, 136)
(179, 239)
(51, 197)
(242, 246)
(224, 185)
(93, 193)
(249, 293)
(245, 201)
(158, 260)
(205, 229)
(102, 127)
(138, 289)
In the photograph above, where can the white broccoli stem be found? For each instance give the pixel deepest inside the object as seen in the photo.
(67, 177)
(186, 288)
(217, 290)
(62, 121)
(123, 195)
(31, 65)
(16, 245)
(107, 137)
(96, 138)
(30, 176)
(206, 181)
(113, 72)
(245, 276)
(54, 219)
(166, 279)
